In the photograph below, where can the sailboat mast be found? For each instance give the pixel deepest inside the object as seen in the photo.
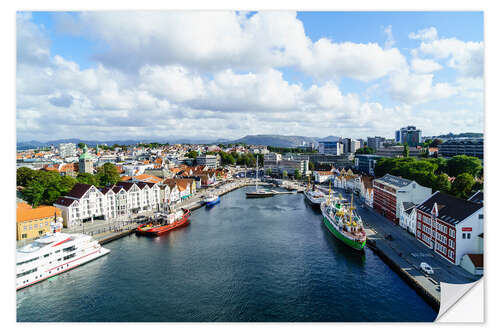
(256, 173)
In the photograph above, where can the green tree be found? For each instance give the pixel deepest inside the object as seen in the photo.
(192, 154)
(311, 165)
(435, 143)
(285, 174)
(462, 185)
(296, 174)
(442, 183)
(107, 175)
(406, 151)
(81, 145)
(34, 194)
(268, 171)
(87, 178)
(464, 164)
(24, 176)
(364, 150)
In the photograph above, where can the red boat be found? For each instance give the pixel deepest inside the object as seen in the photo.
(172, 221)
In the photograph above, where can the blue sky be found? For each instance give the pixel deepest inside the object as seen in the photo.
(224, 74)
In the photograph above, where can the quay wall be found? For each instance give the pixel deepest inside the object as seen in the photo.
(430, 299)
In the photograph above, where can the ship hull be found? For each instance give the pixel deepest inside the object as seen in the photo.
(349, 242)
(213, 203)
(313, 202)
(160, 230)
(71, 265)
(259, 195)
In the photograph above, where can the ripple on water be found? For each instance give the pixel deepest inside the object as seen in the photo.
(267, 259)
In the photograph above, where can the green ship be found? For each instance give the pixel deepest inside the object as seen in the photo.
(344, 223)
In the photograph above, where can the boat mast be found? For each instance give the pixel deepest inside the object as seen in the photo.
(329, 191)
(351, 209)
(256, 173)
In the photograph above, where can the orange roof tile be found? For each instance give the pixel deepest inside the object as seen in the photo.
(24, 212)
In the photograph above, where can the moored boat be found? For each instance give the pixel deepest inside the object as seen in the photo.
(53, 254)
(211, 200)
(166, 224)
(315, 198)
(259, 193)
(344, 223)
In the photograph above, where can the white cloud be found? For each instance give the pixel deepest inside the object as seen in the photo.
(424, 34)
(465, 57)
(33, 46)
(415, 89)
(389, 41)
(363, 62)
(424, 66)
(219, 40)
(216, 74)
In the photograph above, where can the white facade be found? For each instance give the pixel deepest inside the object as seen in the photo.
(114, 202)
(413, 192)
(408, 219)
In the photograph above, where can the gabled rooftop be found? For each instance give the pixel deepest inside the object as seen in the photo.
(451, 210)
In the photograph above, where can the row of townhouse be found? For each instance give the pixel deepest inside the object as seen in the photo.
(177, 189)
(86, 202)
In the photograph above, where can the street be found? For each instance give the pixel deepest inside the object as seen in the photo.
(408, 247)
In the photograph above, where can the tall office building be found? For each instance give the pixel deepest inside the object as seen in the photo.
(409, 135)
(376, 142)
(330, 147)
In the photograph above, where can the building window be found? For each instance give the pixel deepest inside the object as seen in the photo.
(40, 232)
(23, 236)
(25, 228)
(463, 235)
(31, 227)
(480, 216)
(468, 235)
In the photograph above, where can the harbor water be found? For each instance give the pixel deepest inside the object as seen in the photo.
(265, 259)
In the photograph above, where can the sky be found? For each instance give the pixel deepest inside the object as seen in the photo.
(104, 75)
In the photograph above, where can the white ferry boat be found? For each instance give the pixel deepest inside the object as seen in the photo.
(54, 253)
(315, 198)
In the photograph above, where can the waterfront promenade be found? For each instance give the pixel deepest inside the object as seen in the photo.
(407, 253)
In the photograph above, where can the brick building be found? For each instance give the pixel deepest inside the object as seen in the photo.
(450, 226)
(390, 191)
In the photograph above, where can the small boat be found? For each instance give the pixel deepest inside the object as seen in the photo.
(259, 193)
(166, 224)
(211, 200)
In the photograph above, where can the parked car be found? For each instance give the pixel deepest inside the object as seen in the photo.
(426, 268)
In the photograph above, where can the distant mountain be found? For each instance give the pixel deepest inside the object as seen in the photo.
(38, 144)
(284, 141)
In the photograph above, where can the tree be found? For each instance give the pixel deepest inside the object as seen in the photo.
(81, 145)
(107, 175)
(435, 143)
(406, 151)
(442, 183)
(192, 154)
(24, 176)
(268, 171)
(285, 174)
(34, 194)
(364, 150)
(296, 174)
(462, 185)
(464, 164)
(87, 178)
(311, 165)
